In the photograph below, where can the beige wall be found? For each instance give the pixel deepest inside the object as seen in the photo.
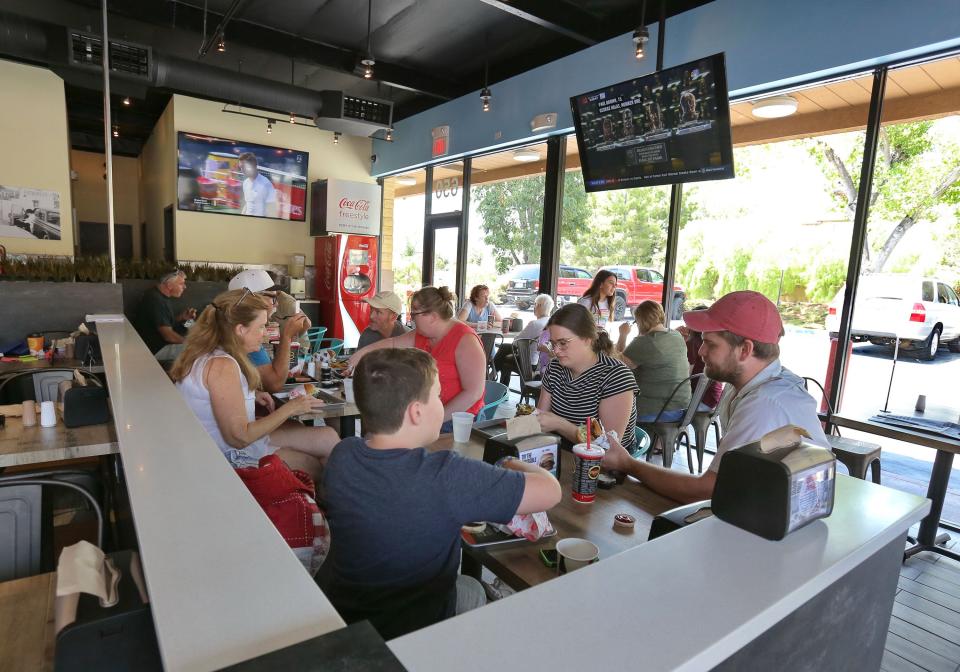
(35, 144)
(90, 191)
(158, 180)
(214, 237)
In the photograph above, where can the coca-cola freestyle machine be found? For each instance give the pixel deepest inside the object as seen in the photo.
(345, 218)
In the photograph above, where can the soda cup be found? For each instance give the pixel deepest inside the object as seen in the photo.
(586, 469)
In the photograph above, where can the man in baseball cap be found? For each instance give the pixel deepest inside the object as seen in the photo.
(385, 309)
(741, 336)
(273, 373)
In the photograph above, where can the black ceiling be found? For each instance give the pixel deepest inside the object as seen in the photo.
(426, 51)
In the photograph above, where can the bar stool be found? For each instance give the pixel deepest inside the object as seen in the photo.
(857, 456)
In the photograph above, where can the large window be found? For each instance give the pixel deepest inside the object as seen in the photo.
(403, 205)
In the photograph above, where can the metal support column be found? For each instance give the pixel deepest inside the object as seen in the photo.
(859, 235)
(676, 197)
(552, 214)
(108, 145)
(426, 274)
(461, 281)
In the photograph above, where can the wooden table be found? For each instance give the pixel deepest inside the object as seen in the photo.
(345, 416)
(519, 566)
(946, 448)
(13, 367)
(26, 623)
(23, 446)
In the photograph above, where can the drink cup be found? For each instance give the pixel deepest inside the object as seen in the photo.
(462, 424)
(29, 413)
(48, 414)
(348, 390)
(491, 322)
(921, 403)
(586, 469)
(575, 553)
(35, 344)
(505, 326)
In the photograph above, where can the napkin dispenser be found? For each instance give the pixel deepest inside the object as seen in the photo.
(540, 449)
(85, 405)
(675, 519)
(776, 485)
(119, 637)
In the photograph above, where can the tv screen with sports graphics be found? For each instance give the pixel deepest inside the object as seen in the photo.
(663, 128)
(233, 177)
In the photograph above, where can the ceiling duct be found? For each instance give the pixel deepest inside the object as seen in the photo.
(352, 115)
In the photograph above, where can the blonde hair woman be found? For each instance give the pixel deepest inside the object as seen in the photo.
(215, 376)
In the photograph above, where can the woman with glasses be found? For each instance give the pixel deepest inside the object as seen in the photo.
(221, 386)
(584, 380)
(601, 299)
(461, 362)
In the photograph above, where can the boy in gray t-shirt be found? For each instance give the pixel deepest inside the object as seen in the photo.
(395, 510)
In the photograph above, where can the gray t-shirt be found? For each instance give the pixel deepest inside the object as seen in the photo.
(395, 518)
(661, 359)
(371, 335)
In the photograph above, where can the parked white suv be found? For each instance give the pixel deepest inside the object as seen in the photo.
(923, 312)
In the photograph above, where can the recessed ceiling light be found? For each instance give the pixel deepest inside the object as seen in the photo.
(526, 155)
(774, 107)
(406, 180)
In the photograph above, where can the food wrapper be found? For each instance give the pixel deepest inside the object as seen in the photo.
(530, 526)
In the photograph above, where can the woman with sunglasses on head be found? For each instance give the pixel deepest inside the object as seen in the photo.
(460, 358)
(584, 380)
(221, 386)
(600, 298)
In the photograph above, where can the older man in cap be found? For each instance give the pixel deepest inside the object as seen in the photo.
(161, 330)
(741, 335)
(273, 373)
(385, 309)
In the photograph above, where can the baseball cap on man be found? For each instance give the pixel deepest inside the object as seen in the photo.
(387, 300)
(256, 280)
(748, 314)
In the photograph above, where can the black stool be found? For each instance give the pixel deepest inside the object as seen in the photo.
(857, 456)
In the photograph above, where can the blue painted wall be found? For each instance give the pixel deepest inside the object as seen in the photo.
(768, 43)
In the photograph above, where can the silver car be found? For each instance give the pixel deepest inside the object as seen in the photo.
(922, 312)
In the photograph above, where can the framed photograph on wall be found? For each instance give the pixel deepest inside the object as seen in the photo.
(29, 213)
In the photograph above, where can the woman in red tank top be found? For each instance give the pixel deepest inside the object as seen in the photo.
(456, 348)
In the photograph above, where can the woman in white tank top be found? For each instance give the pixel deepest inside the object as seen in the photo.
(219, 384)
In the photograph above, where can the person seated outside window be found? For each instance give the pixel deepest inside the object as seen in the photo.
(385, 309)
(273, 373)
(460, 358)
(503, 360)
(585, 380)
(694, 339)
(658, 358)
(161, 330)
(599, 299)
(478, 311)
(395, 509)
(741, 333)
(221, 386)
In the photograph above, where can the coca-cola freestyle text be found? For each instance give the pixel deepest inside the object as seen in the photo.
(358, 209)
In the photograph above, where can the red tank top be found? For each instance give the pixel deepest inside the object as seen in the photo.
(445, 353)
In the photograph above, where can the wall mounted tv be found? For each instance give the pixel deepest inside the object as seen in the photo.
(667, 127)
(240, 178)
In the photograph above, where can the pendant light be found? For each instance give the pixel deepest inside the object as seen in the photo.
(641, 35)
(368, 62)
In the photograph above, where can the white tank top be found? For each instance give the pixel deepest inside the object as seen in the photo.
(197, 397)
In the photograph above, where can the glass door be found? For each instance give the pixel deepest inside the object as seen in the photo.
(441, 253)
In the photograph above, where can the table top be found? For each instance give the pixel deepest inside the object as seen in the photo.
(336, 411)
(26, 622)
(520, 566)
(21, 446)
(861, 422)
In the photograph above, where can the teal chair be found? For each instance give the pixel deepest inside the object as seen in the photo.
(494, 394)
(335, 344)
(315, 335)
(641, 443)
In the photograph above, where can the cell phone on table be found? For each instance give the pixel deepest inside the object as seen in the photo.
(548, 556)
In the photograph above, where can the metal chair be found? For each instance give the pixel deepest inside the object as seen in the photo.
(703, 421)
(314, 336)
(494, 394)
(43, 385)
(672, 434)
(529, 384)
(490, 340)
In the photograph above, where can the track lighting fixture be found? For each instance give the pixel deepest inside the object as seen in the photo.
(293, 118)
(336, 137)
(269, 126)
(116, 131)
(389, 136)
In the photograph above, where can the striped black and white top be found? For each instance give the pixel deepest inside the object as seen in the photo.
(576, 399)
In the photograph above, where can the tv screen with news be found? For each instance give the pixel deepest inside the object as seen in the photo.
(240, 178)
(663, 128)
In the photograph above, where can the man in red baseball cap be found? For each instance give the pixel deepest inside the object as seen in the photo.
(741, 336)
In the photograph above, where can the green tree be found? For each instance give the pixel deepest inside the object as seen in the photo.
(512, 214)
(915, 173)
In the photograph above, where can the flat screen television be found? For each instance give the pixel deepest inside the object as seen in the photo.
(667, 127)
(240, 178)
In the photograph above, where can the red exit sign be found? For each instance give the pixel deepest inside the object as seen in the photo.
(441, 141)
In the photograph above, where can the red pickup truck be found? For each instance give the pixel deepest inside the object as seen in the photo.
(634, 285)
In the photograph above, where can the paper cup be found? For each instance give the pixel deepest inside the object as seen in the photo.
(575, 553)
(48, 414)
(29, 413)
(348, 390)
(462, 424)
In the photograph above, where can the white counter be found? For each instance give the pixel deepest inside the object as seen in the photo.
(685, 601)
(223, 584)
